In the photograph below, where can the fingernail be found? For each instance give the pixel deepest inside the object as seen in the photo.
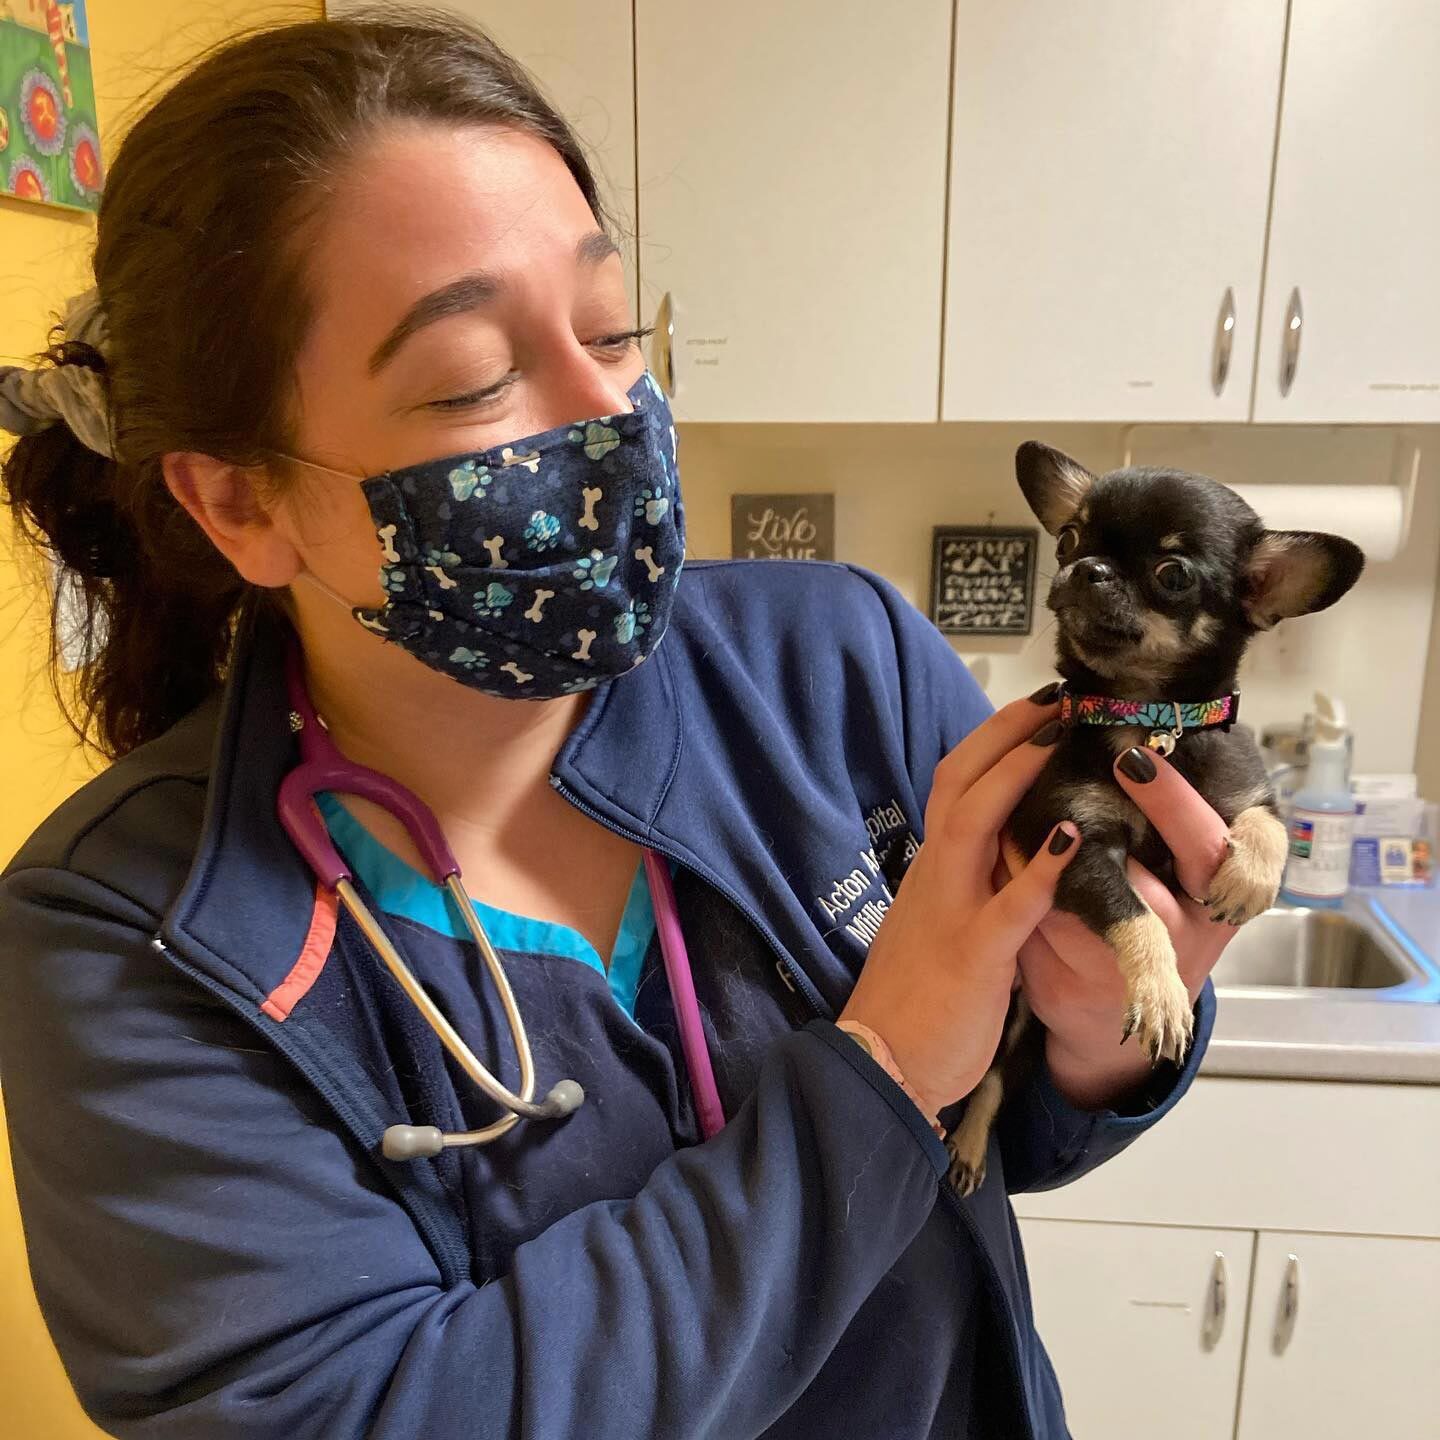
(1048, 734)
(1136, 765)
(1048, 694)
(1061, 840)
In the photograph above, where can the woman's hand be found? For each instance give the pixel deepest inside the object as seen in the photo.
(1070, 975)
(937, 981)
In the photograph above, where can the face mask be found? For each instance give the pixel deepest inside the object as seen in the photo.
(537, 568)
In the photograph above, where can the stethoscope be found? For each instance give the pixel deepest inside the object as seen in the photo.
(323, 768)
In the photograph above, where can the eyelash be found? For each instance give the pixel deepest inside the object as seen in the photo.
(618, 344)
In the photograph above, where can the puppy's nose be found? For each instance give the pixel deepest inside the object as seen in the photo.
(1091, 571)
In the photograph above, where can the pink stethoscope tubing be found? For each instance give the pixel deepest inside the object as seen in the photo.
(322, 767)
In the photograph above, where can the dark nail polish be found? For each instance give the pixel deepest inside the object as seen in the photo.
(1060, 842)
(1136, 765)
(1048, 734)
(1048, 694)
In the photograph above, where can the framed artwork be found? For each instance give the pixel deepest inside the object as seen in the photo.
(782, 527)
(982, 580)
(49, 138)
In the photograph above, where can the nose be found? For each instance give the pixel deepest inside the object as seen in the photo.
(1092, 571)
(580, 387)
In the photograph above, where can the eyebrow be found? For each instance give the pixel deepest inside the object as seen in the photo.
(470, 292)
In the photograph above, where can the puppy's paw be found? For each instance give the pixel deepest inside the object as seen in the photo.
(1161, 1016)
(1159, 1010)
(969, 1142)
(1248, 879)
(967, 1160)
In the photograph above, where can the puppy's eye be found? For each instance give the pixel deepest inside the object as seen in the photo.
(1067, 542)
(1174, 576)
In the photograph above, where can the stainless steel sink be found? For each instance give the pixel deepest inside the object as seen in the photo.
(1327, 952)
(1349, 994)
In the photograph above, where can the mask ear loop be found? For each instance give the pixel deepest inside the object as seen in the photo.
(327, 590)
(316, 465)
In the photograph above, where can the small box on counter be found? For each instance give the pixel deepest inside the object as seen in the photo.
(1395, 832)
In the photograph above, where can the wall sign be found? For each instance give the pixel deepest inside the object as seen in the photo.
(49, 145)
(782, 527)
(982, 580)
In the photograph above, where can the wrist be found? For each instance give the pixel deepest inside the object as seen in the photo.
(1097, 1076)
(876, 1048)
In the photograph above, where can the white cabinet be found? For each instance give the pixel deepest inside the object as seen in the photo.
(1343, 1339)
(1356, 211)
(582, 54)
(1145, 1324)
(792, 194)
(1109, 179)
(1358, 1324)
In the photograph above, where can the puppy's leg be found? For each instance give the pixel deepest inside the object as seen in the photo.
(969, 1142)
(1248, 879)
(1094, 887)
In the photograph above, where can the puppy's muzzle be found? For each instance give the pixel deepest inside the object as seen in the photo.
(1089, 595)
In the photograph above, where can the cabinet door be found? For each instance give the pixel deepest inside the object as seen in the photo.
(792, 194)
(1144, 1323)
(1342, 1339)
(1356, 210)
(1109, 179)
(582, 53)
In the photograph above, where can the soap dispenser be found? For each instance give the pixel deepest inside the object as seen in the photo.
(1322, 816)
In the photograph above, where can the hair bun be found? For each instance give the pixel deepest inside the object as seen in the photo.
(62, 495)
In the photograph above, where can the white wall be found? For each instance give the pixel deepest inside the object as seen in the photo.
(893, 483)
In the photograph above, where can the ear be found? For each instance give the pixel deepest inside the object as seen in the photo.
(225, 501)
(1054, 484)
(1296, 572)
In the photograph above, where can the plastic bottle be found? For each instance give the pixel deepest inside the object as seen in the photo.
(1322, 817)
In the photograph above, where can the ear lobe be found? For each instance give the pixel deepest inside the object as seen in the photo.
(1053, 484)
(1296, 572)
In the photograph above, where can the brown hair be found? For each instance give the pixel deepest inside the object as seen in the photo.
(206, 310)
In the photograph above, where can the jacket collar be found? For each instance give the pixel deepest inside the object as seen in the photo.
(245, 909)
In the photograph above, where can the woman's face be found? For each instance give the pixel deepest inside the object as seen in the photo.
(463, 297)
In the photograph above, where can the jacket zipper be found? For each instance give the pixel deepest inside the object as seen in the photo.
(794, 979)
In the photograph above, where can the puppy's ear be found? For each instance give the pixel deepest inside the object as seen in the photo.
(1054, 484)
(1295, 572)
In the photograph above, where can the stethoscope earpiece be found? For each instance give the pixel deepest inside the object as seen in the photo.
(421, 1142)
(411, 1142)
(565, 1098)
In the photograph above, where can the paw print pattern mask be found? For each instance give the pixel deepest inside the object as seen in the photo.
(537, 568)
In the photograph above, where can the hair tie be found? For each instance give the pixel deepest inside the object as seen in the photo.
(73, 394)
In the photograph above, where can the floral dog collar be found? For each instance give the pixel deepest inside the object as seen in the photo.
(1169, 719)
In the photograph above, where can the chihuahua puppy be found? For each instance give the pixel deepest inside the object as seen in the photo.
(1163, 579)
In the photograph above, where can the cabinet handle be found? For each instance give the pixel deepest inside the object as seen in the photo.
(1224, 341)
(1215, 1301)
(1289, 1305)
(664, 351)
(1290, 344)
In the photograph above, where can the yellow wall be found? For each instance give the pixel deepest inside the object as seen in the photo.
(43, 259)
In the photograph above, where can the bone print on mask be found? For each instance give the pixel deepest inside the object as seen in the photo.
(534, 612)
(590, 495)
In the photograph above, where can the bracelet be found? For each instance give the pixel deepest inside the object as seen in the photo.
(881, 1054)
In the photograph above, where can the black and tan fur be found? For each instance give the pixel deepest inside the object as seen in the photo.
(1124, 633)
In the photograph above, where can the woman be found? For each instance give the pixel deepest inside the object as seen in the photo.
(341, 270)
